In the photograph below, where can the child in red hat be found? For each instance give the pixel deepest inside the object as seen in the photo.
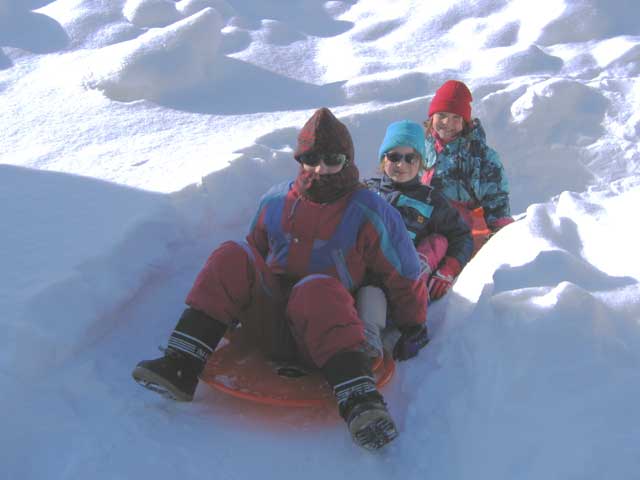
(459, 162)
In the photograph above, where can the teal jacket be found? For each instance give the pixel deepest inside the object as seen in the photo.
(470, 172)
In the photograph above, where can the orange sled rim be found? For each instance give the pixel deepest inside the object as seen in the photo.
(229, 372)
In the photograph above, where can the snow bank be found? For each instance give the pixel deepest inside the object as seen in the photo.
(18, 22)
(189, 7)
(98, 26)
(151, 13)
(564, 240)
(530, 62)
(58, 288)
(159, 61)
(534, 340)
(522, 375)
(566, 112)
(598, 19)
(534, 362)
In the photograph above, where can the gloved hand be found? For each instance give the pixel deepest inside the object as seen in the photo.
(442, 279)
(411, 340)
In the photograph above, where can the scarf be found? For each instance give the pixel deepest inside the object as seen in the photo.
(327, 188)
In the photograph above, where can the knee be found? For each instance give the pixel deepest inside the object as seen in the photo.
(234, 249)
(371, 304)
(323, 318)
(230, 253)
(314, 288)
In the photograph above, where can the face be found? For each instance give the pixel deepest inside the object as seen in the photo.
(447, 125)
(323, 165)
(401, 171)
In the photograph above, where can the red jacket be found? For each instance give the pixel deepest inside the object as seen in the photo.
(356, 237)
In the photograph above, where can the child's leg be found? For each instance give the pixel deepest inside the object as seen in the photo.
(328, 329)
(371, 304)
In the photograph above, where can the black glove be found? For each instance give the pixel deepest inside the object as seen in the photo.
(411, 340)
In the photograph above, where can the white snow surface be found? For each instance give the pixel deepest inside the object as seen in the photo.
(137, 135)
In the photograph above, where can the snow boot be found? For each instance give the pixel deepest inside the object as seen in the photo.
(359, 402)
(175, 375)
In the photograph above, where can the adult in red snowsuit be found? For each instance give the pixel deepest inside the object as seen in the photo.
(291, 285)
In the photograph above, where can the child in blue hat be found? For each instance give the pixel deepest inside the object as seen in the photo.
(442, 238)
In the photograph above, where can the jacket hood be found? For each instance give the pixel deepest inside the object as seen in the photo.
(324, 133)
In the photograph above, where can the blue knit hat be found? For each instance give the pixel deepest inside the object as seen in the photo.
(404, 133)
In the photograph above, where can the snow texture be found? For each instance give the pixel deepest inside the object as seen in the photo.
(137, 135)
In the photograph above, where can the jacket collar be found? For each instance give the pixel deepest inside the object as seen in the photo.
(404, 186)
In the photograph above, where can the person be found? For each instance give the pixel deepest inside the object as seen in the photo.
(461, 165)
(291, 284)
(441, 237)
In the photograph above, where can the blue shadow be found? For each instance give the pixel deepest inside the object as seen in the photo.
(242, 88)
(31, 31)
(5, 62)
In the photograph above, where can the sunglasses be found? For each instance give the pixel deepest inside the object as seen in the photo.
(330, 159)
(395, 157)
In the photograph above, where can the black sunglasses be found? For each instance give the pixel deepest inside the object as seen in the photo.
(330, 159)
(395, 157)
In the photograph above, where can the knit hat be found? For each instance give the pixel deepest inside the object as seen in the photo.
(324, 133)
(453, 97)
(404, 133)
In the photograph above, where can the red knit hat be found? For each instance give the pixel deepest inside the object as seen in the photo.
(324, 133)
(453, 97)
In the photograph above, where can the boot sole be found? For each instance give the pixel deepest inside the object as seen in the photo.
(373, 429)
(156, 383)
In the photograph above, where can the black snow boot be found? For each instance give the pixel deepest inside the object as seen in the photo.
(175, 375)
(359, 402)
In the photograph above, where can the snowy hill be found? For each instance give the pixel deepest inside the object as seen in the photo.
(136, 135)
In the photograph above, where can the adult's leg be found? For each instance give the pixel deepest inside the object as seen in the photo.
(236, 286)
(175, 374)
(359, 402)
(323, 319)
(329, 331)
(233, 281)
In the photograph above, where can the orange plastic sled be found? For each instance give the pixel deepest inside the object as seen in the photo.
(240, 370)
(479, 229)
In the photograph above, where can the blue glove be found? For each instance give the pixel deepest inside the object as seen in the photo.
(411, 340)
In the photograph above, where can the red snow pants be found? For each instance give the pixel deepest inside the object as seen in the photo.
(431, 250)
(317, 313)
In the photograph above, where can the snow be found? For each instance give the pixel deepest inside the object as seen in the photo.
(137, 135)
(137, 69)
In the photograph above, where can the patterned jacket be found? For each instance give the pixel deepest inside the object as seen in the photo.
(425, 211)
(357, 236)
(470, 172)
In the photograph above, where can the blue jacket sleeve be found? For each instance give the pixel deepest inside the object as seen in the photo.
(494, 188)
